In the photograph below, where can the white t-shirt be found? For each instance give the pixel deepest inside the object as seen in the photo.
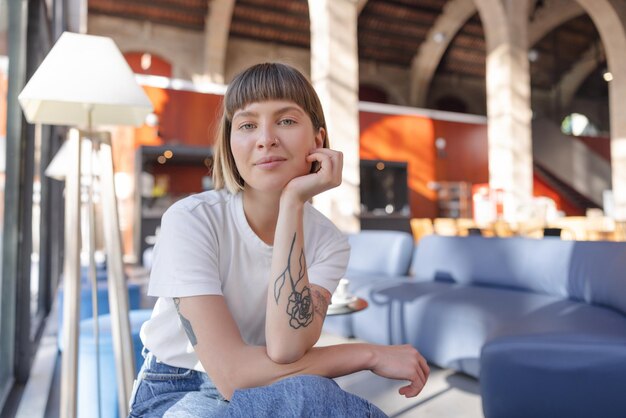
(206, 247)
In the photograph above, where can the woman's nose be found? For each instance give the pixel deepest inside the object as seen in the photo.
(267, 139)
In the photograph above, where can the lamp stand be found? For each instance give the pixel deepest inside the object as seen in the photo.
(71, 281)
(117, 289)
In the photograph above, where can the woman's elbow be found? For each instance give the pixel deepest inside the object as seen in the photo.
(283, 354)
(224, 385)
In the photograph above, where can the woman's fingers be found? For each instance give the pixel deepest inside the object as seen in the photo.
(424, 366)
(403, 363)
(418, 378)
(331, 164)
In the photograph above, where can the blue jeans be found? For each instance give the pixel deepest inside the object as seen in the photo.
(172, 392)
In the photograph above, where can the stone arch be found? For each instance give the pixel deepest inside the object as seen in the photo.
(570, 82)
(425, 62)
(454, 16)
(609, 16)
(554, 15)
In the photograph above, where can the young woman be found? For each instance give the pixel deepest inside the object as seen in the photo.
(244, 273)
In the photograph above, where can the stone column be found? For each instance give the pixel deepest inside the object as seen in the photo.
(609, 17)
(216, 29)
(508, 101)
(335, 75)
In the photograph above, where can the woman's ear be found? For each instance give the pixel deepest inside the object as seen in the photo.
(320, 138)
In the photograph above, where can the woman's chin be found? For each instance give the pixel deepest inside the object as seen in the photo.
(270, 188)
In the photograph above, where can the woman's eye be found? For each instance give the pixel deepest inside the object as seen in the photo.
(246, 126)
(287, 122)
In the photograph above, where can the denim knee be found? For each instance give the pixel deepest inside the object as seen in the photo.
(299, 396)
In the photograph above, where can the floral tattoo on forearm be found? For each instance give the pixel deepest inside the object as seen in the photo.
(186, 324)
(300, 307)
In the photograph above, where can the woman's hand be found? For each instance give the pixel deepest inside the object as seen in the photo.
(303, 188)
(401, 362)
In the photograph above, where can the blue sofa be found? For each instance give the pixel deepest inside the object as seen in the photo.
(374, 256)
(541, 323)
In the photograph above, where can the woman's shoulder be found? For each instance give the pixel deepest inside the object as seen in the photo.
(199, 201)
(209, 204)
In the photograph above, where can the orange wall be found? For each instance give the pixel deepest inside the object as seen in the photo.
(412, 139)
(466, 152)
(185, 117)
(404, 138)
(190, 118)
(465, 158)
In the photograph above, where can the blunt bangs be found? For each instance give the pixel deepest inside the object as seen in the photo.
(273, 81)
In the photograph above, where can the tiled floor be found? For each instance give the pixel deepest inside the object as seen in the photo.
(446, 395)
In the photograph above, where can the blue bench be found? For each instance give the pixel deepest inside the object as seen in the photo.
(87, 383)
(86, 303)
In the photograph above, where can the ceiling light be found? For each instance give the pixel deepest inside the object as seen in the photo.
(439, 37)
(146, 61)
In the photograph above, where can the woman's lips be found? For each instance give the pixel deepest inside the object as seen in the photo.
(269, 162)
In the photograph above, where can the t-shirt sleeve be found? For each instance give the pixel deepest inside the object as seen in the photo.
(185, 256)
(330, 261)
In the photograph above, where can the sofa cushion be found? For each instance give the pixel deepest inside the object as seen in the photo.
(379, 253)
(449, 323)
(374, 256)
(554, 375)
(589, 271)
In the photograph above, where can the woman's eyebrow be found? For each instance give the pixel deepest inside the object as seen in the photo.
(288, 109)
(245, 114)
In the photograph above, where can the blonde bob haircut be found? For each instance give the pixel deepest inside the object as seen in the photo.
(261, 82)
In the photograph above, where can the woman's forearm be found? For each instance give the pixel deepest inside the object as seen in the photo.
(292, 325)
(232, 364)
(254, 367)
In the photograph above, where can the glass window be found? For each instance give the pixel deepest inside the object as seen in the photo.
(577, 124)
(4, 85)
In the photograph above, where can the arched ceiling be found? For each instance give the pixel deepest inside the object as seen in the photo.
(278, 21)
(186, 14)
(560, 49)
(466, 54)
(389, 31)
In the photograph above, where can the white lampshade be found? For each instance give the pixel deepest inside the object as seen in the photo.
(82, 72)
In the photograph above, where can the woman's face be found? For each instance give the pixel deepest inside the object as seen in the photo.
(270, 141)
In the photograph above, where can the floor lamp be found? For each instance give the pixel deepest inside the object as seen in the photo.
(84, 81)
